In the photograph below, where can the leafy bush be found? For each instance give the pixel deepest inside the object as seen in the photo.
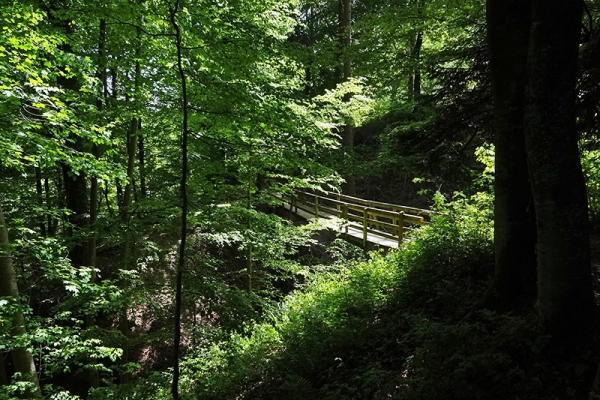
(590, 161)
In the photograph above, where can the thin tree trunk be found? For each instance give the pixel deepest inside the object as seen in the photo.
(107, 200)
(142, 165)
(249, 265)
(51, 222)
(126, 219)
(119, 196)
(22, 359)
(508, 23)
(89, 319)
(40, 198)
(128, 194)
(414, 79)
(61, 202)
(184, 204)
(565, 296)
(417, 58)
(348, 135)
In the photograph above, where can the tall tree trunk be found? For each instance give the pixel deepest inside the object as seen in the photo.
(127, 200)
(119, 196)
(249, 255)
(94, 204)
(348, 135)
(75, 184)
(51, 222)
(184, 203)
(89, 319)
(40, 198)
(77, 202)
(128, 193)
(142, 164)
(414, 80)
(565, 294)
(107, 200)
(128, 242)
(61, 202)
(22, 359)
(417, 58)
(508, 23)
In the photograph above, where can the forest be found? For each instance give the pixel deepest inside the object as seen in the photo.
(148, 149)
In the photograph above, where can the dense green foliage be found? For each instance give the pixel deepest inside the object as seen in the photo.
(397, 325)
(91, 144)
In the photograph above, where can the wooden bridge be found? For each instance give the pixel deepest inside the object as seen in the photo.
(366, 221)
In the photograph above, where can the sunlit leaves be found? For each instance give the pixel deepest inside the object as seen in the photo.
(37, 116)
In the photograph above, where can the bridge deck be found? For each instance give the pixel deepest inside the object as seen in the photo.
(339, 225)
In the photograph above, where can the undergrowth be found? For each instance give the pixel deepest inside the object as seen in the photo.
(398, 325)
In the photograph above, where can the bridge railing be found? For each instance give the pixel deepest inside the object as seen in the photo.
(382, 219)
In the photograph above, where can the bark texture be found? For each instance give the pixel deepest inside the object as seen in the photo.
(508, 23)
(564, 275)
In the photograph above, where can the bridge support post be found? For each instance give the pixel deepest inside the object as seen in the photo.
(400, 227)
(316, 207)
(365, 219)
(345, 218)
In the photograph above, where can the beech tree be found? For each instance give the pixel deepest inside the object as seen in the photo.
(508, 25)
(534, 70)
(566, 300)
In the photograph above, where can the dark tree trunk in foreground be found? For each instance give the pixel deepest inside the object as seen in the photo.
(566, 302)
(22, 359)
(550, 31)
(508, 23)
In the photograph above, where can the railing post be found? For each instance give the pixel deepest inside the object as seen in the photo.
(365, 214)
(400, 227)
(345, 217)
(338, 204)
(316, 207)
